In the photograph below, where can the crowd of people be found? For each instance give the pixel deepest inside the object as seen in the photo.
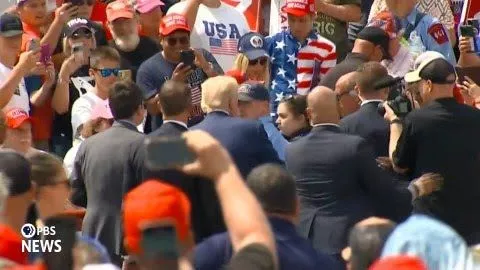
(171, 135)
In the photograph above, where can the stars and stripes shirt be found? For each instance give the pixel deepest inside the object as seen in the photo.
(297, 68)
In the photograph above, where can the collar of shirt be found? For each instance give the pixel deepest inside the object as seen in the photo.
(412, 16)
(370, 101)
(266, 119)
(220, 110)
(311, 36)
(176, 122)
(326, 124)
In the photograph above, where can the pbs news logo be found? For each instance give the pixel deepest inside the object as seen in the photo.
(39, 245)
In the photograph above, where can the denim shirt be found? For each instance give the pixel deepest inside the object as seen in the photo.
(276, 138)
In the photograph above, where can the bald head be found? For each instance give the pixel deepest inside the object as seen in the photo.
(322, 106)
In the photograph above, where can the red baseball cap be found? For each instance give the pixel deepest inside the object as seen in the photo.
(399, 263)
(173, 22)
(299, 7)
(11, 245)
(119, 9)
(150, 202)
(14, 118)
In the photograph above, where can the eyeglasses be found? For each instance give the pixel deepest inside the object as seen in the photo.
(182, 40)
(81, 2)
(263, 61)
(107, 72)
(82, 33)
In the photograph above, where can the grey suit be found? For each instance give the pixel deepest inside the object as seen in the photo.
(106, 167)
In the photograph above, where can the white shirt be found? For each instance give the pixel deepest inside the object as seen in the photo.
(217, 30)
(370, 100)
(326, 124)
(402, 63)
(20, 97)
(82, 110)
(176, 122)
(69, 158)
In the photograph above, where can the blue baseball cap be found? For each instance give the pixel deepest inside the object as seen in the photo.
(251, 90)
(253, 45)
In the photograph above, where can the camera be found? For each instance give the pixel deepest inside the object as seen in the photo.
(401, 106)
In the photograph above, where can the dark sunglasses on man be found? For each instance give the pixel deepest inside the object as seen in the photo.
(182, 40)
(80, 2)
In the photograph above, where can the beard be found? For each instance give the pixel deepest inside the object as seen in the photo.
(128, 42)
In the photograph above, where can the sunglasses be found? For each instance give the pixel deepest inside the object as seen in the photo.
(182, 40)
(107, 72)
(81, 2)
(82, 34)
(262, 61)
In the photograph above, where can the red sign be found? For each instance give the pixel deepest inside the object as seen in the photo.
(471, 10)
(250, 9)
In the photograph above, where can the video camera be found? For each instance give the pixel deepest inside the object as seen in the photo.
(399, 103)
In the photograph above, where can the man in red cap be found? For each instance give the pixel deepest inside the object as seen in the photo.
(299, 56)
(169, 64)
(124, 26)
(18, 134)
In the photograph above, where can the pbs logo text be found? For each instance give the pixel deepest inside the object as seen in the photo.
(39, 245)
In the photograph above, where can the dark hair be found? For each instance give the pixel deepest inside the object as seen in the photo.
(103, 53)
(368, 74)
(296, 104)
(175, 98)
(45, 167)
(274, 188)
(366, 243)
(124, 99)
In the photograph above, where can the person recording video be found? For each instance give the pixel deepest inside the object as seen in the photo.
(440, 137)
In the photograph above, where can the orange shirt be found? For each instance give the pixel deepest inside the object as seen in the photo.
(42, 116)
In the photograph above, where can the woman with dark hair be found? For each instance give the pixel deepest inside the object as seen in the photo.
(292, 118)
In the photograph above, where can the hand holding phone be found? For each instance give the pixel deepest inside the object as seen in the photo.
(79, 52)
(167, 152)
(187, 57)
(470, 32)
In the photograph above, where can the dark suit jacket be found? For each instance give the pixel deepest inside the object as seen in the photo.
(368, 124)
(205, 214)
(107, 166)
(245, 140)
(337, 182)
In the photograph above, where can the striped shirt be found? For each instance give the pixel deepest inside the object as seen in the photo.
(297, 68)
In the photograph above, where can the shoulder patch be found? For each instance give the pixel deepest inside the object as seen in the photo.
(438, 33)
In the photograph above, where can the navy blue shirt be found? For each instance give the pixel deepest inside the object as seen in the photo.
(156, 70)
(294, 252)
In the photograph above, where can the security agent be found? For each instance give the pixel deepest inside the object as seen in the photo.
(431, 31)
(440, 137)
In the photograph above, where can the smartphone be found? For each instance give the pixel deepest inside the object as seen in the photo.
(187, 57)
(45, 54)
(64, 231)
(78, 50)
(160, 242)
(166, 152)
(77, 2)
(125, 74)
(469, 31)
(33, 45)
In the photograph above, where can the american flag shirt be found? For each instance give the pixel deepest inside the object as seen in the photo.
(296, 68)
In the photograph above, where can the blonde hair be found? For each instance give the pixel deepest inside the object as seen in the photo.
(218, 93)
(241, 63)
